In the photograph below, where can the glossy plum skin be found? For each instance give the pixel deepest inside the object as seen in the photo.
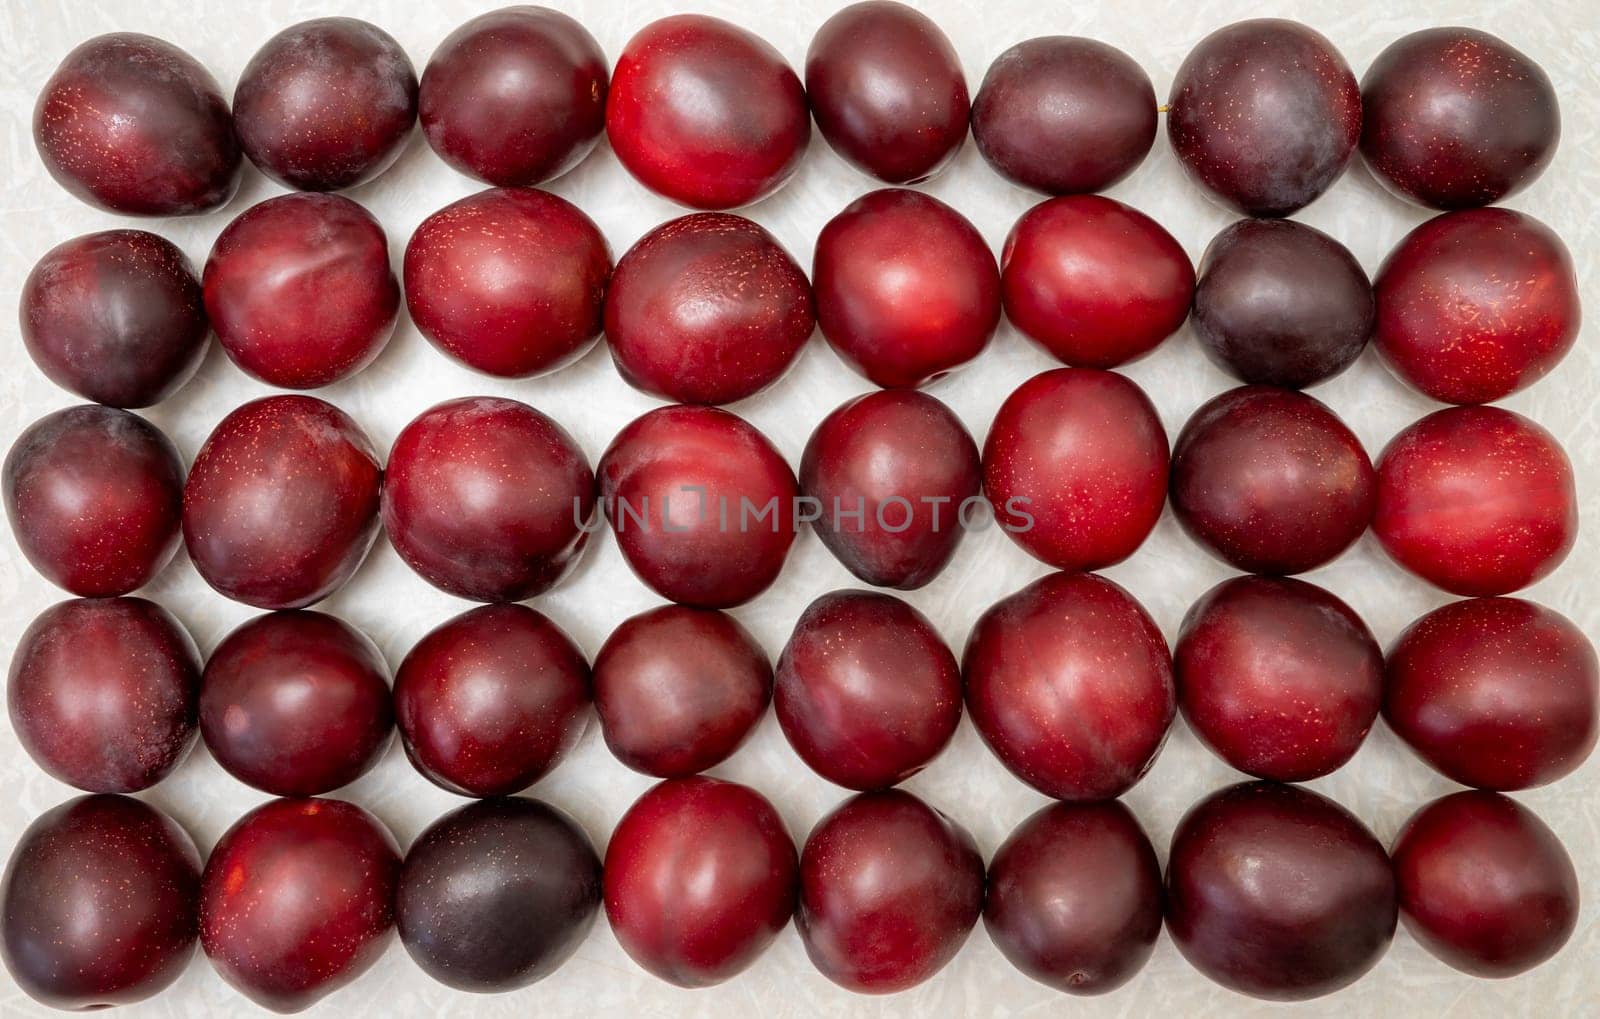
(886, 88)
(488, 499)
(889, 890)
(94, 497)
(678, 690)
(490, 701)
(1455, 118)
(906, 287)
(1094, 282)
(115, 317)
(909, 465)
(1278, 893)
(296, 704)
(509, 281)
(281, 505)
(1484, 884)
(103, 693)
(1271, 481)
(666, 482)
(133, 124)
(1075, 466)
(1064, 115)
(707, 308)
(700, 877)
(866, 690)
(1069, 682)
(97, 907)
(1074, 897)
(326, 104)
(497, 894)
(1279, 303)
(297, 900)
(1264, 115)
(300, 291)
(1476, 305)
(516, 96)
(1278, 677)
(1497, 693)
(1477, 500)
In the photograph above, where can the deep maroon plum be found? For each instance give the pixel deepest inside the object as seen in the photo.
(1069, 682)
(516, 96)
(1497, 693)
(1074, 897)
(115, 317)
(94, 497)
(491, 700)
(707, 308)
(1278, 893)
(1064, 115)
(300, 291)
(135, 125)
(98, 903)
(509, 281)
(889, 890)
(700, 877)
(488, 499)
(326, 104)
(678, 689)
(103, 693)
(1265, 115)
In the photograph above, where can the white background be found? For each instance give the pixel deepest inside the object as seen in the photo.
(1384, 783)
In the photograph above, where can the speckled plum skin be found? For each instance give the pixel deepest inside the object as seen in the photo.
(135, 125)
(515, 96)
(889, 890)
(98, 904)
(1278, 677)
(488, 499)
(1069, 682)
(281, 505)
(1264, 115)
(94, 496)
(668, 480)
(700, 877)
(1456, 118)
(115, 317)
(326, 104)
(1476, 305)
(1477, 500)
(300, 291)
(886, 88)
(1074, 897)
(1485, 885)
(103, 693)
(1271, 481)
(297, 900)
(1094, 282)
(907, 290)
(1497, 693)
(509, 281)
(296, 704)
(1075, 466)
(707, 308)
(866, 690)
(1279, 303)
(490, 701)
(1279, 893)
(1064, 115)
(705, 113)
(678, 690)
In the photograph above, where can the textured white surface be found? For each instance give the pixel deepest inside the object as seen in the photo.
(1383, 784)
